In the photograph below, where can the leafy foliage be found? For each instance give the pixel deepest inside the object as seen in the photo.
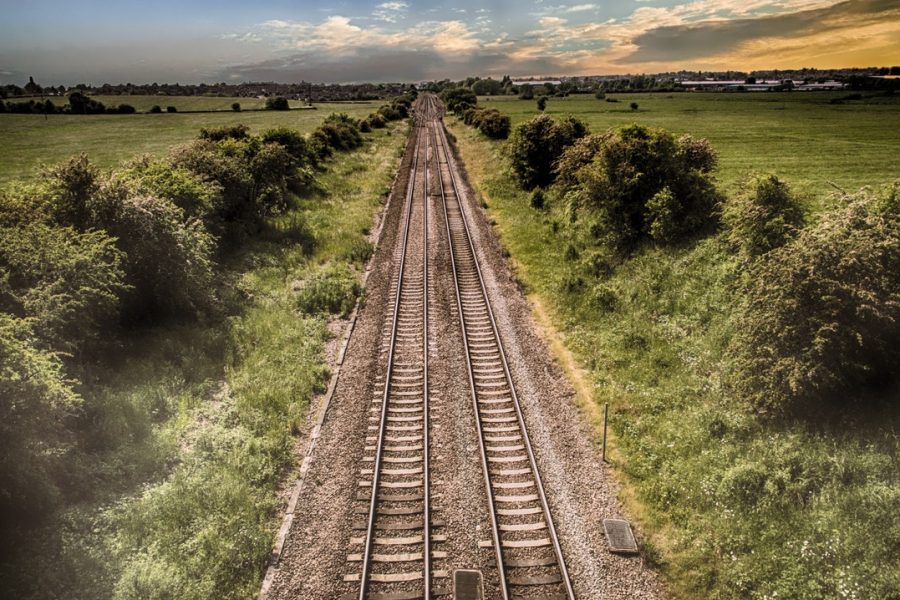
(36, 403)
(821, 314)
(537, 145)
(640, 183)
(764, 216)
(458, 99)
(333, 289)
(68, 283)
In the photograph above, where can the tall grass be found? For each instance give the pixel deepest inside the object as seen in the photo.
(732, 506)
(193, 426)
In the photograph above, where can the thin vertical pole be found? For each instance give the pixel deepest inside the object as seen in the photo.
(605, 421)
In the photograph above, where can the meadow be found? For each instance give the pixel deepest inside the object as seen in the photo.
(801, 137)
(730, 505)
(32, 140)
(190, 425)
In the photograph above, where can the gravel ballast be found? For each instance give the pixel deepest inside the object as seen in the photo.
(580, 491)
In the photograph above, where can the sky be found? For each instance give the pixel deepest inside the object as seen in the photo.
(75, 41)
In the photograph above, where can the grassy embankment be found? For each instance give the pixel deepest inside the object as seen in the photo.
(732, 506)
(193, 424)
(31, 140)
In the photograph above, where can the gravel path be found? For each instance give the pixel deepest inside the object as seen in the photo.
(580, 491)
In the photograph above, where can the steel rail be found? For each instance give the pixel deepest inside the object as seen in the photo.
(441, 135)
(376, 473)
(426, 517)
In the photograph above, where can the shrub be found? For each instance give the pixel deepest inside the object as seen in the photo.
(79, 104)
(192, 193)
(333, 289)
(542, 103)
(208, 160)
(292, 140)
(821, 314)
(494, 124)
(226, 132)
(526, 92)
(171, 109)
(537, 198)
(364, 126)
(68, 282)
(633, 105)
(236, 106)
(536, 146)
(640, 184)
(762, 217)
(277, 103)
(600, 95)
(377, 121)
(125, 109)
(36, 403)
(458, 99)
(155, 109)
(168, 258)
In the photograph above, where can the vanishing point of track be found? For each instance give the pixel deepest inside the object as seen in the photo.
(397, 556)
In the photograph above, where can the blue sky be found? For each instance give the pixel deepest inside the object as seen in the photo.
(408, 40)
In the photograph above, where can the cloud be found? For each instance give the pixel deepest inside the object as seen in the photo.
(389, 12)
(581, 8)
(712, 38)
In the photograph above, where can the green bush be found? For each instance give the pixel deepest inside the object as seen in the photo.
(821, 317)
(537, 145)
(494, 124)
(640, 183)
(277, 103)
(292, 140)
(155, 109)
(168, 258)
(36, 404)
(377, 121)
(192, 193)
(68, 282)
(458, 99)
(225, 132)
(763, 216)
(333, 289)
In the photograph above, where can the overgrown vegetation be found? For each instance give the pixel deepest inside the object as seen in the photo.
(132, 468)
(747, 366)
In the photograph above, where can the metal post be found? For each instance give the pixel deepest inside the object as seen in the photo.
(605, 421)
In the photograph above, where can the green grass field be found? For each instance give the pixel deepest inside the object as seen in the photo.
(32, 140)
(730, 506)
(196, 423)
(801, 137)
(182, 103)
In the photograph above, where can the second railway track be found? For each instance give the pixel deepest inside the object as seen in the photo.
(395, 550)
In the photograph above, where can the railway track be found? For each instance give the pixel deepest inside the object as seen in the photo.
(396, 552)
(528, 553)
(396, 556)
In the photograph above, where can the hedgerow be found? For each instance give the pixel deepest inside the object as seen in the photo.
(821, 313)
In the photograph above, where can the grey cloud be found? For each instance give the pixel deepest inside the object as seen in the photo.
(679, 42)
(379, 65)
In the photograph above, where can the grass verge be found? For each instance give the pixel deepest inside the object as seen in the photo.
(732, 507)
(194, 426)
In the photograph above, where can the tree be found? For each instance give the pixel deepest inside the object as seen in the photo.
(155, 109)
(633, 105)
(820, 318)
(600, 95)
(638, 183)
(542, 103)
(458, 99)
(171, 109)
(536, 146)
(236, 106)
(32, 88)
(526, 92)
(277, 103)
